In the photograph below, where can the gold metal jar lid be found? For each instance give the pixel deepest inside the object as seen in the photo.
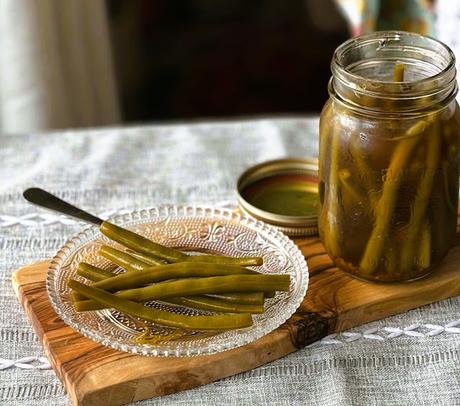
(283, 193)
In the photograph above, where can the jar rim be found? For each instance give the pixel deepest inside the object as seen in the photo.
(385, 36)
(429, 62)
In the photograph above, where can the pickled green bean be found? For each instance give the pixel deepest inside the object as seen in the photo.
(364, 173)
(146, 258)
(123, 259)
(332, 216)
(215, 259)
(424, 250)
(139, 243)
(197, 286)
(398, 73)
(212, 259)
(93, 273)
(214, 322)
(249, 298)
(214, 305)
(387, 201)
(422, 197)
(204, 303)
(171, 271)
(350, 187)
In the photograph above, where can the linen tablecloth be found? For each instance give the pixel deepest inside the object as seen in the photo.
(410, 359)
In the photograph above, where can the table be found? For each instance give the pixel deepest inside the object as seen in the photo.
(411, 359)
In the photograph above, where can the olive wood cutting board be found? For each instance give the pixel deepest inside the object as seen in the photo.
(96, 375)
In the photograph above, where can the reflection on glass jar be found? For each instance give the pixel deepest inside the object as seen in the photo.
(389, 156)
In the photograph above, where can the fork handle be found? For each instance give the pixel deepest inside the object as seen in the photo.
(45, 199)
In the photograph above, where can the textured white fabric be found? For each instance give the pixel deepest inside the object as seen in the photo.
(55, 65)
(416, 360)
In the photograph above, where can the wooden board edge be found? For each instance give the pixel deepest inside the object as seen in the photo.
(200, 371)
(34, 274)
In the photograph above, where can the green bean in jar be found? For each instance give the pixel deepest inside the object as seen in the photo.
(389, 156)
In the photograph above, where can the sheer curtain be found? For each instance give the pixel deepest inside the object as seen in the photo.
(56, 66)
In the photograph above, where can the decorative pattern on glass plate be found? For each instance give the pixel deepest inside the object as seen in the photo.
(191, 229)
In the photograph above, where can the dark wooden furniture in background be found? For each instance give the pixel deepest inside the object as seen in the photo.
(220, 58)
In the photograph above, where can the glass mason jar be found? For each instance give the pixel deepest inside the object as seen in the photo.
(389, 156)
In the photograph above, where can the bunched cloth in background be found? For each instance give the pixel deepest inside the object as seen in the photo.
(56, 67)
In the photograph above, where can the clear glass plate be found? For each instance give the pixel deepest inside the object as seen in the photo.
(192, 229)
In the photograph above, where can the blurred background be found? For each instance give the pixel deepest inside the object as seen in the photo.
(211, 58)
(79, 63)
